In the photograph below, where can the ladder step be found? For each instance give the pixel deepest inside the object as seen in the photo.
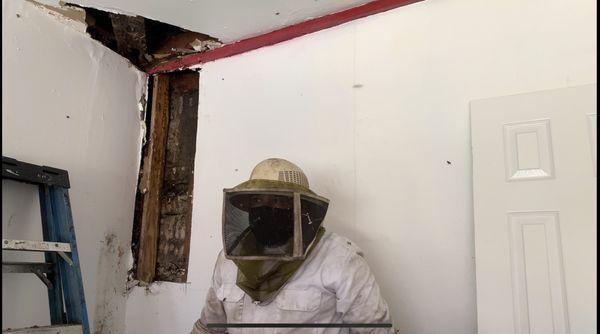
(57, 329)
(35, 246)
(26, 267)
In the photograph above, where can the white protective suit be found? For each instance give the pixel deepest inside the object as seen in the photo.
(333, 285)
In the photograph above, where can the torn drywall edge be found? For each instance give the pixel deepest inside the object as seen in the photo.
(74, 17)
(73, 25)
(106, 9)
(143, 135)
(142, 98)
(209, 44)
(142, 40)
(143, 81)
(143, 109)
(121, 12)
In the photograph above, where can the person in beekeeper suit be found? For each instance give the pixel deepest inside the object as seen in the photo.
(278, 265)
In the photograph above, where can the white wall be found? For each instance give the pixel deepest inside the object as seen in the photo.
(71, 103)
(372, 111)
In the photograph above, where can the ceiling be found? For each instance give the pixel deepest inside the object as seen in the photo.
(225, 20)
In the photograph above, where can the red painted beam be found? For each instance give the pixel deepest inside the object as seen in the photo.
(280, 35)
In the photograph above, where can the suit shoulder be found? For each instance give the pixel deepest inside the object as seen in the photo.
(334, 242)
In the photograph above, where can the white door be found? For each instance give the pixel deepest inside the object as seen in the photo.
(534, 183)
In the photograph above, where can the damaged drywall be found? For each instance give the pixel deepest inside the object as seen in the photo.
(71, 15)
(85, 105)
(145, 42)
(172, 210)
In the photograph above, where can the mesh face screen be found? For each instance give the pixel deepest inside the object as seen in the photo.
(312, 213)
(259, 224)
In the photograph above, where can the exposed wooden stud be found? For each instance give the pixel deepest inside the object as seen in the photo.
(153, 170)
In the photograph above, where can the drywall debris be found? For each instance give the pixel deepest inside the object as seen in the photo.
(205, 45)
(130, 284)
(142, 108)
(182, 43)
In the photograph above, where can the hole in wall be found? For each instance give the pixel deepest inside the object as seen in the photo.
(172, 206)
(144, 42)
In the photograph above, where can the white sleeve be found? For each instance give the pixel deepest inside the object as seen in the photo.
(358, 295)
(213, 311)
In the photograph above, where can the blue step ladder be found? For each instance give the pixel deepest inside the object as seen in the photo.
(60, 272)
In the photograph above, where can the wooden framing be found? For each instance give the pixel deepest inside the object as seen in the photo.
(176, 208)
(152, 179)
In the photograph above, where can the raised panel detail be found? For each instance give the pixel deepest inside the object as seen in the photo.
(540, 305)
(528, 150)
(593, 138)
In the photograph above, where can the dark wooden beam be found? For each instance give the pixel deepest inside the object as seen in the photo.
(176, 213)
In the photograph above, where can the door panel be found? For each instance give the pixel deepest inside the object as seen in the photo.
(538, 274)
(534, 185)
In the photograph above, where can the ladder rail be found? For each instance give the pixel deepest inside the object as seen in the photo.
(71, 280)
(55, 296)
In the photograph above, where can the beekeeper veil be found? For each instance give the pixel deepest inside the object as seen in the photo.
(272, 216)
